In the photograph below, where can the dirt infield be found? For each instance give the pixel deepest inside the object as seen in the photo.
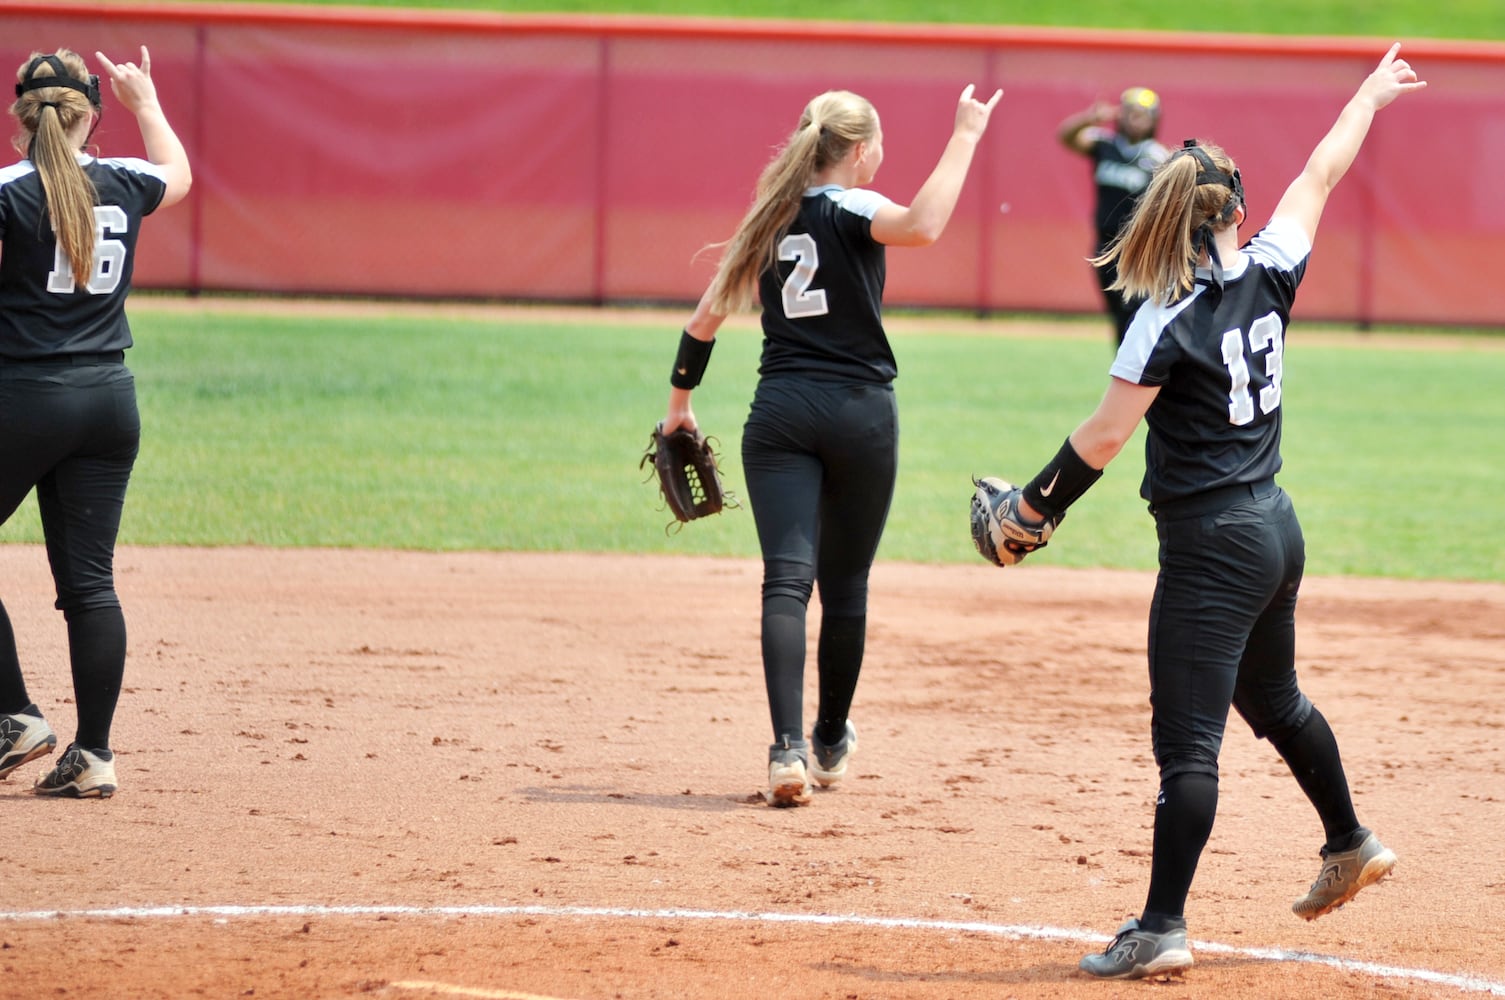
(501, 775)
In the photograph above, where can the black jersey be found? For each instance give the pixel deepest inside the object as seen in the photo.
(1122, 171)
(823, 298)
(44, 309)
(1218, 360)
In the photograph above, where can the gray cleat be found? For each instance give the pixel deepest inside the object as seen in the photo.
(1136, 954)
(830, 763)
(1343, 875)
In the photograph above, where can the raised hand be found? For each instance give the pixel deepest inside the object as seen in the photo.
(131, 84)
(1392, 78)
(972, 115)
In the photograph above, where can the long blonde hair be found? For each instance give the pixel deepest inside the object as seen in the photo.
(1157, 249)
(46, 115)
(830, 126)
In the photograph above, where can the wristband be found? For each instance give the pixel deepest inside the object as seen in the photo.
(690, 362)
(1061, 483)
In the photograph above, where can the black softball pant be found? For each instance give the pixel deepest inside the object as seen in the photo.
(71, 430)
(1223, 633)
(1223, 626)
(820, 457)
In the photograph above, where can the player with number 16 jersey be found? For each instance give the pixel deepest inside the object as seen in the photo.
(69, 425)
(45, 310)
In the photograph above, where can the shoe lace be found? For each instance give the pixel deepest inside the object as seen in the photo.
(1118, 939)
(71, 764)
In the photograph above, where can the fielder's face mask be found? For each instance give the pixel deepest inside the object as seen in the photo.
(1210, 174)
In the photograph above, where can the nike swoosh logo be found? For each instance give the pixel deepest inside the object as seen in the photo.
(1045, 492)
(683, 371)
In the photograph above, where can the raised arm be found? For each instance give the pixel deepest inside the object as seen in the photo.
(134, 89)
(922, 221)
(1079, 131)
(1307, 195)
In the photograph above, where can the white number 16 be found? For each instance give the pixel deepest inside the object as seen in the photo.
(109, 256)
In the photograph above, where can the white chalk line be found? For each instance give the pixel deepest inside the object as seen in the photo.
(1471, 984)
(451, 990)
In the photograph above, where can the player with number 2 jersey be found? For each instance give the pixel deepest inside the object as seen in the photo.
(821, 444)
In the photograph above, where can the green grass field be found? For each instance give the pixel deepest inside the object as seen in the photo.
(526, 435)
(1402, 19)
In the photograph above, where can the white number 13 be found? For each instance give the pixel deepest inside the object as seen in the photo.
(1265, 335)
(109, 256)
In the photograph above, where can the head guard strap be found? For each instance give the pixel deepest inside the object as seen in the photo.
(60, 78)
(1208, 173)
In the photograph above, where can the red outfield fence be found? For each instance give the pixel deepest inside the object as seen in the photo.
(588, 159)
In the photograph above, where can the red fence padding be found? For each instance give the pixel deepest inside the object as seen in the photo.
(466, 154)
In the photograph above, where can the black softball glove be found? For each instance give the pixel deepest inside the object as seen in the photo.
(687, 474)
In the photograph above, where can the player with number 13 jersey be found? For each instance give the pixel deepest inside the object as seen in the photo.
(1207, 374)
(1202, 364)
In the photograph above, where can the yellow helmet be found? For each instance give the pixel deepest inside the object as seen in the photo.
(1142, 97)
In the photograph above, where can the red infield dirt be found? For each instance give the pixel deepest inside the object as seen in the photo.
(410, 775)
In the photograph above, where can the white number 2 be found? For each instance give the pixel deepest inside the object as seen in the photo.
(1265, 336)
(109, 256)
(799, 300)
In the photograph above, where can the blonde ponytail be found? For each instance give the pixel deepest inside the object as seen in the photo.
(830, 126)
(1157, 250)
(47, 114)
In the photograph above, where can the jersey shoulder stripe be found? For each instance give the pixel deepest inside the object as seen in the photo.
(16, 171)
(858, 201)
(1146, 149)
(1282, 244)
(135, 165)
(1144, 333)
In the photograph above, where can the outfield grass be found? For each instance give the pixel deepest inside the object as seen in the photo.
(412, 431)
(1401, 19)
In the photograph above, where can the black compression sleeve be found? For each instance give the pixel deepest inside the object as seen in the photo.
(690, 362)
(1061, 483)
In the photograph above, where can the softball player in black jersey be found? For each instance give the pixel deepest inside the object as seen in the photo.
(1202, 364)
(68, 420)
(820, 446)
(1123, 158)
